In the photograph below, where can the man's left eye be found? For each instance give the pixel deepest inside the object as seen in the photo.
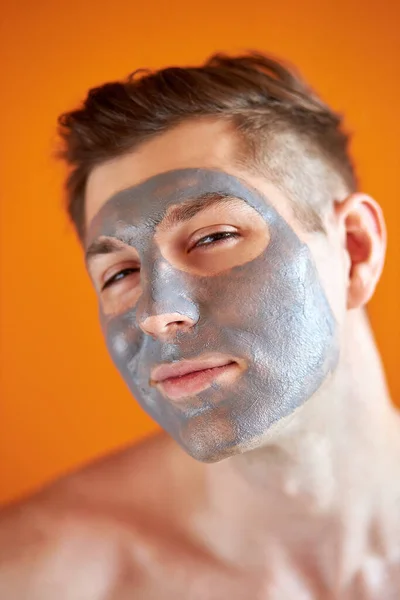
(214, 238)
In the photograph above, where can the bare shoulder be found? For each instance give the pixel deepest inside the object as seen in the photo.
(71, 534)
(47, 553)
(130, 479)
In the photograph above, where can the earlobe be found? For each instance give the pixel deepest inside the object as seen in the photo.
(365, 244)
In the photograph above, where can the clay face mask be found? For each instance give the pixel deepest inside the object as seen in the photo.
(256, 297)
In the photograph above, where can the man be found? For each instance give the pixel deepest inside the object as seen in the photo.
(232, 256)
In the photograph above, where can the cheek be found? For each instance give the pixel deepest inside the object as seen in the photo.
(277, 299)
(246, 296)
(333, 273)
(123, 339)
(233, 293)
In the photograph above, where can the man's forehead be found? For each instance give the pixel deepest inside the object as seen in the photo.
(202, 142)
(149, 200)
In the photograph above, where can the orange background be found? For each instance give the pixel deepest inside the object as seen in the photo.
(62, 401)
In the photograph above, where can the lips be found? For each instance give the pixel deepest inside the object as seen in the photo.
(189, 377)
(163, 372)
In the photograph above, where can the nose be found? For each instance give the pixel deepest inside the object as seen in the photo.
(166, 325)
(165, 306)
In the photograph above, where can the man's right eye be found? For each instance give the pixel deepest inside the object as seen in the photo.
(119, 276)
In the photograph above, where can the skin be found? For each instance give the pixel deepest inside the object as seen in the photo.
(302, 497)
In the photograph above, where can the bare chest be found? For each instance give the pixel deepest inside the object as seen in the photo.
(176, 575)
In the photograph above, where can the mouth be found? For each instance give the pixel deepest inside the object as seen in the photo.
(187, 378)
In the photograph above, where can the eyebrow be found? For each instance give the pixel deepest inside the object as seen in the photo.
(180, 214)
(103, 246)
(190, 208)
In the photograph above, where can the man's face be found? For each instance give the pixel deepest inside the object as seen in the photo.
(199, 270)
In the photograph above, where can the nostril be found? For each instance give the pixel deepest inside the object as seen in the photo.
(165, 324)
(175, 324)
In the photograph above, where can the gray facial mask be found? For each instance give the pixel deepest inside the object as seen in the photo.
(271, 311)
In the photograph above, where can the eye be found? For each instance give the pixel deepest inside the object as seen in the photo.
(119, 276)
(215, 238)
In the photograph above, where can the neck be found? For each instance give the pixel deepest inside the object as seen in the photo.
(329, 467)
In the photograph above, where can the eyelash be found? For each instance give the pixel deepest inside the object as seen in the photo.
(220, 237)
(113, 279)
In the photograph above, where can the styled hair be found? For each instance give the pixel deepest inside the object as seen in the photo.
(285, 130)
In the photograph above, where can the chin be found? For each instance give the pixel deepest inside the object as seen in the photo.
(207, 449)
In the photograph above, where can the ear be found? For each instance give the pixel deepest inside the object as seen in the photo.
(361, 219)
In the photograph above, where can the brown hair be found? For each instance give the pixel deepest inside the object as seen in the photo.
(279, 118)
